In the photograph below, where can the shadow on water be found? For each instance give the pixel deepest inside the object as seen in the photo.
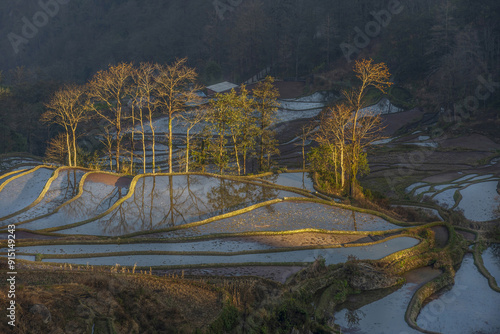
(491, 259)
(166, 201)
(95, 199)
(382, 311)
(62, 189)
(469, 306)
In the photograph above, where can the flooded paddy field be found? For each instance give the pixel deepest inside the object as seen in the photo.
(331, 256)
(470, 306)
(19, 192)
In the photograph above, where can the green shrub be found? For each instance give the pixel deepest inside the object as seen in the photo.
(291, 313)
(226, 321)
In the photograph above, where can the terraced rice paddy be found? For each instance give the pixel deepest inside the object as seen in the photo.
(288, 216)
(300, 180)
(203, 221)
(63, 188)
(385, 315)
(19, 192)
(160, 202)
(331, 256)
(94, 199)
(470, 306)
(491, 259)
(475, 195)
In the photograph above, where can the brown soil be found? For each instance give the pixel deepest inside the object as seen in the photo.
(274, 273)
(421, 275)
(394, 122)
(112, 180)
(289, 89)
(441, 235)
(286, 89)
(445, 177)
(302, 239)
(77, 299)
(475, 142)
(467, 235)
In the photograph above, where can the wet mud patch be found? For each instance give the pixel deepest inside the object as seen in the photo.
(441, 235)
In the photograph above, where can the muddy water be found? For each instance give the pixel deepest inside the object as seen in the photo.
(382, 311)
(470, 306)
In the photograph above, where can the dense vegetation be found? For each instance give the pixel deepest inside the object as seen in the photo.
(435, 49)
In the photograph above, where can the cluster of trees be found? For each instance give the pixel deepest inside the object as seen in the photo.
(120, 97)
(435, 48)
(125, 98)
(295, 37)
(246, 121)
(347, 129)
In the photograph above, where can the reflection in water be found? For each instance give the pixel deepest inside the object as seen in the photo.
(301, 180)
(21, 192)
(62, 189)
(166, 201)
(96, 198)
(288, 215)
(491, 259)
(495, 250)
(353, 317)
(470, 306)
(383, 310)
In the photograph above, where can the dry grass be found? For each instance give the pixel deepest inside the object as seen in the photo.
(132, 303)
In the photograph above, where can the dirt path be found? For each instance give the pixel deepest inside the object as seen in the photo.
(112, 180)
(274, 273)
(302, 239)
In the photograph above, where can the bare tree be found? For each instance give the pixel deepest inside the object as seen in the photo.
(176, 91)
(57, 149)
(191, 118)
(305, 135)
(108, 91)
(67, 108)
(145, 84)
(370, 75)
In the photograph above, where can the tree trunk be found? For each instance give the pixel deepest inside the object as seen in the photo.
(170, 137)
(334, 158)
(69, 148)
(154, 139)
(143, 137)
(74, 146)
(342, 172)
(244, 162)
(303, 155)
(132, 143)
(187, 150)
(221, 152)
(236, 156)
